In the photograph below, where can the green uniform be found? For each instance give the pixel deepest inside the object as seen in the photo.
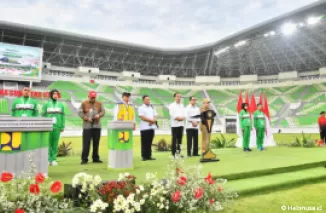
(245, 124)
(260, 125)
(54, 110)
(24, 107)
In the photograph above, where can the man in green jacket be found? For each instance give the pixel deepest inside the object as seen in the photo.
(260, 125)
(55, 110)
(24, 106)
(245, 124)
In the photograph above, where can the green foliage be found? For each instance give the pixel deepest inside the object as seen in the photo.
(222, 142)
(64, 149)
(162, 145)
(303, 141)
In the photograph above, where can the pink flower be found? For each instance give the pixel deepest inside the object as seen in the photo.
(211, 201)
(176, 196)
(220, 188)
(198, 193)
(209, 179)
(182, 180)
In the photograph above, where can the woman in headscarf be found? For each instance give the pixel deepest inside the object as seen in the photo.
(203, 128)
(245, 124)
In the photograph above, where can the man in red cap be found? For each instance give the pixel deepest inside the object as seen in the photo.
(91, 112)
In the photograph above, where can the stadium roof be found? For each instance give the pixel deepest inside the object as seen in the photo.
(275, 22)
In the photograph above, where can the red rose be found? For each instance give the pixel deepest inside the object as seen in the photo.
(34, 189)
(198, 193)
(182, 180)
(19, 211)
(39, 178)
(211, 201)
(176, 196)
(56, 187)
(6, 177)
(220, 188)
(209, 179)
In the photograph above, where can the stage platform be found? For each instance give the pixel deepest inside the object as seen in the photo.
(248, 173)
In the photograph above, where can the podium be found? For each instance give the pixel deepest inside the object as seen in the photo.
(120, 144)
(207, 119)
(21, 138)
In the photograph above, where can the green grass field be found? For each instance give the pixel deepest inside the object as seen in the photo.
(264, 180)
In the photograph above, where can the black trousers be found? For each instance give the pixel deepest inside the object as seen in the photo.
(323, 134)
(177, 133)
(88, 135)
(146, 137)
(192, 141)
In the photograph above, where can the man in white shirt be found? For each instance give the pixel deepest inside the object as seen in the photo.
(192, 127)
(177, 116)
(147, 128)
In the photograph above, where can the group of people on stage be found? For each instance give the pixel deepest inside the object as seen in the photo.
(259, 121)
(91, 111)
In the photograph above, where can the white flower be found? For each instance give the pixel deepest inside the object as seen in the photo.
(158, 204)
(145, 196)
(141, 188)
(161, 206)
(126, 174)
(93, 208)
(97, 180)
(137, 191)
(142, 201)
(161, 199)
(166, 207)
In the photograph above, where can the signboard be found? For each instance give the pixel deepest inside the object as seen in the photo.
(21, 63)
(18, 93)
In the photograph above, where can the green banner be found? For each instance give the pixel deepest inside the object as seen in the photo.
(13, 142)
(119, 139)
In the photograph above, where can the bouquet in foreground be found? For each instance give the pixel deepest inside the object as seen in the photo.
(183, 190)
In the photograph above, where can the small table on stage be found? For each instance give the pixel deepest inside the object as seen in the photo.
(20, 138)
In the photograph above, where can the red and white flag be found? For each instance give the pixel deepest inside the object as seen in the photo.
(239, 108)
(269, 139)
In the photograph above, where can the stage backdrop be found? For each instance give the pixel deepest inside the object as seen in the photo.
(20, 62)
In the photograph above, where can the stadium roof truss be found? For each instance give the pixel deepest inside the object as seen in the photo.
(261, 53)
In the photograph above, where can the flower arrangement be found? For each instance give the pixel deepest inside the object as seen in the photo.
(31, 192)
(184, 190)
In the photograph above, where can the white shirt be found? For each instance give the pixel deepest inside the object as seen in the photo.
(192, 111)
(176, 110)
(149, 112)
(116, 111)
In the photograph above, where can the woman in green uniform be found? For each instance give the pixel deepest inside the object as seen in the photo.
(245, 124)
(259, 123)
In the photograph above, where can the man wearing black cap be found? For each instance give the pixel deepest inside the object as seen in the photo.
(55, 110)
(124, 111)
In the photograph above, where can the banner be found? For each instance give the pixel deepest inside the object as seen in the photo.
(20, 62)
(18, 93)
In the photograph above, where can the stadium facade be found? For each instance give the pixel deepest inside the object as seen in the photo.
(280, 55)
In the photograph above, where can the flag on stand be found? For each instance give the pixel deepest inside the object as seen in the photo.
(253, 105)
(261, 98)
(239, 108)
(266, 112)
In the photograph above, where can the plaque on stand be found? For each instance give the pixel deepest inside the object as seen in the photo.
(120, 144)
(20, 138)
(207, 119)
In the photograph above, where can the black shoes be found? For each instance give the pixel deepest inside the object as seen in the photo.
(97, 161)
(247, 150)
(146, 159)
(83, 162)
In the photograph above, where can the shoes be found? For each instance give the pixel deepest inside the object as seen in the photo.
(49, 163)
(97, 161)
(196, 155)
(247, 150)
(54, 163)
(151, 158)
(83, 162)
(144, 159)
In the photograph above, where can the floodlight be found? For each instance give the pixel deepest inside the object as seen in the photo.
(289, 28)
(240, 43)
(301, 24)
(313, 20)
(272, 33)
(266, 35)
